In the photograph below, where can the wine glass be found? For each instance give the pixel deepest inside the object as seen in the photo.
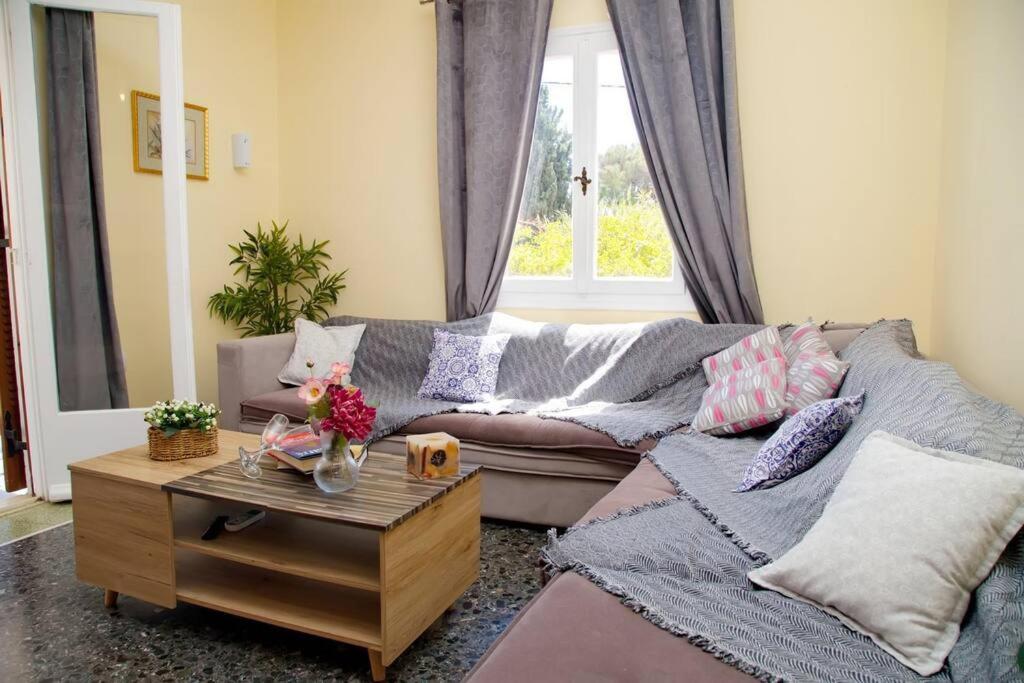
(249, 461)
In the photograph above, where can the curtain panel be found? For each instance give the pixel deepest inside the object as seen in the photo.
(490, 55)
(90, 366)
(679, 59)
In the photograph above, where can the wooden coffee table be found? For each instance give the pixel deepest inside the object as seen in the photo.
(373, 566)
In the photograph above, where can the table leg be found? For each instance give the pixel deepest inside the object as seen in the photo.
(377, 666)
(109, 598)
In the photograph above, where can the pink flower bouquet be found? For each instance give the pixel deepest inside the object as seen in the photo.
(336, 406)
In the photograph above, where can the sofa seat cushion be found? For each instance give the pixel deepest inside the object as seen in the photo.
(263, 407)
(527, 431)
(574, 631)
(506, 430)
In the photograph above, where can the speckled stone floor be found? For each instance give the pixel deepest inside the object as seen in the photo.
(53, 627)
(32, 518)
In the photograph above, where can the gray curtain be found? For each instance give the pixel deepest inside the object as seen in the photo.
(679, 58)
(90, 369)
(490, 54)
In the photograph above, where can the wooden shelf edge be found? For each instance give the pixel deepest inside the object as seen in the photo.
(213, 550)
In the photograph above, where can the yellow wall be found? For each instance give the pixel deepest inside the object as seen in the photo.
(230, 62)
(230, 67)
(840, 112)
(978, 322)
(358, 147)
(127, 58)
(839, 109)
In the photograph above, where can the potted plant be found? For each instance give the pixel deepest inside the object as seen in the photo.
(182, 429)
(283, 280)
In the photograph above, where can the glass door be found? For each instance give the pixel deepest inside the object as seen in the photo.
(100, 238)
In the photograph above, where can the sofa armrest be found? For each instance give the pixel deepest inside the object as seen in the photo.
(248, 368)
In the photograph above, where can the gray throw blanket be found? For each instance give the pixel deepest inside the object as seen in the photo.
(682, 562)
(630, 382)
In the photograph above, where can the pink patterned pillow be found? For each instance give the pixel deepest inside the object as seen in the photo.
(748, 398)
(811, 378)
(757, 348)
(805, 339)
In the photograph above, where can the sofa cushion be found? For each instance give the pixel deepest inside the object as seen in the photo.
(574, 631)
(321, 345)
(840, 335)
(907, 535)
(463, 368)
(749, 398)
(801, 442)
(757, 348)
(509, 430)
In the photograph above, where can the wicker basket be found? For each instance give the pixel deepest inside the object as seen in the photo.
(188, 443)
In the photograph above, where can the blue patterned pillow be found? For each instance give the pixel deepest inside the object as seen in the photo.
(462, 368)
(800, 442)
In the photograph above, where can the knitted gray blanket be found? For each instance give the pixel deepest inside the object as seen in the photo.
(682, 562)
(630, 382)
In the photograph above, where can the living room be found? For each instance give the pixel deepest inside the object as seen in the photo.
(709, 259)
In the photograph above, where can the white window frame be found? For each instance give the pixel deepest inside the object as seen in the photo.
(584, 290)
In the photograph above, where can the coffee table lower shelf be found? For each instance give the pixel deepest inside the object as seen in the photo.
(344, 614)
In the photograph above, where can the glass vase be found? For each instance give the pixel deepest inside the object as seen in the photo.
(337, 470)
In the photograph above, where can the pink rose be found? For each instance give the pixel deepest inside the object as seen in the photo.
(312, 391)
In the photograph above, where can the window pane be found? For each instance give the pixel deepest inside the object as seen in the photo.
(542, 245)
(632, 241)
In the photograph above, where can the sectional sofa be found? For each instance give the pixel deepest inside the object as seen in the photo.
(536, 471)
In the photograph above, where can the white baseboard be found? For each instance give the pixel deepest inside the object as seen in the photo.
(58, 493)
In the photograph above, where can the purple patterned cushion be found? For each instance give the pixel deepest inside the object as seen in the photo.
(462, 368)
(801, 441)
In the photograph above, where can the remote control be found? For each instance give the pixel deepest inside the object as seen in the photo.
(248, 518)
(215, 528)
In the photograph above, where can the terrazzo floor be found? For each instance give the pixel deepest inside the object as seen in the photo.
(31, 518)
(52, 627)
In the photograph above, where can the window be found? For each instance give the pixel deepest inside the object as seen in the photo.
(607, 246)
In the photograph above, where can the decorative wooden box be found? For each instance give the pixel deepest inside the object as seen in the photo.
(433, 455)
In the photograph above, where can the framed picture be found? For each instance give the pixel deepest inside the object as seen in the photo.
(146, 143)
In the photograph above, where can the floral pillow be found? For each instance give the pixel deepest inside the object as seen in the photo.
(757, 348)
(462, 368)
(801, 442)
(746, 399)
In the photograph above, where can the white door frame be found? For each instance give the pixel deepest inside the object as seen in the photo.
(50, 447)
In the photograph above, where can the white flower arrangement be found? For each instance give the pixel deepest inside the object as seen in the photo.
(173, 416)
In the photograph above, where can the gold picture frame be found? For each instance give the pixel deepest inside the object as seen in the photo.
(147, 145)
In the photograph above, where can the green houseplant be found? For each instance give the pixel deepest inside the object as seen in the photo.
(283, 280)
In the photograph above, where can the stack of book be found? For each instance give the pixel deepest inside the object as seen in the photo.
(298, 449)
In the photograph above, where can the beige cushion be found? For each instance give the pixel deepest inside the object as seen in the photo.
(322, 345)
(907, 535)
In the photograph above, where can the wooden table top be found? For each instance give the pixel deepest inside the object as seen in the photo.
(132, 465)
(385, 496)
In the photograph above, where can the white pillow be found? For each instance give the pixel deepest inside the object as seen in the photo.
(907, 535)
(322, 345)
